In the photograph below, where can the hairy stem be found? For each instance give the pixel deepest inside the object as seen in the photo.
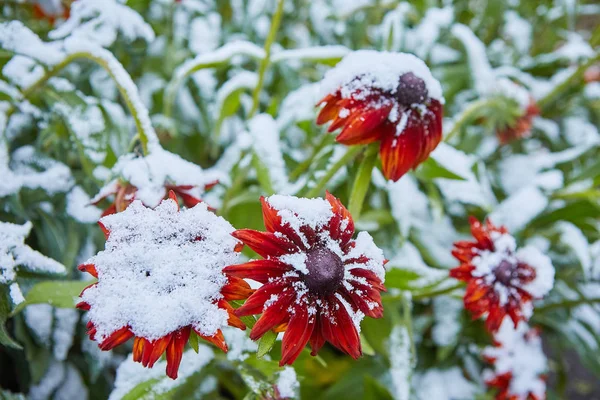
(345, 159)
(363, 180)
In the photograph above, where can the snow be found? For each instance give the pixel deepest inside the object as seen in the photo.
(447, 326)
(100, 21)
(399, 349)
(130, 373)
(520, 353)
(544, 270)
(80, 208)
(573, 237)
(298, 212)
(205, 33)
(296, 260)
(298, 105)
(408, 204)
(154, 172)
(444, 384)
(53, 327)
(518, 30)
(265, 134)
(311, 53)
(17, 38)
(22, 71)
(592, 90)
(530, 202)
(379, 70)
(155, 276)
(408, 258)
(239, 344)
(32, 170)
(287, 383)
(15, 254)
(220, 55)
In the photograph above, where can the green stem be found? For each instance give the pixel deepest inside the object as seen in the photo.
(545, 101)
(362, 180)
(567, 304)
(106, 60)
(439, 292)
(468, 114)
(304, 165)
(265, 62)
(238, 181)
(345, 159)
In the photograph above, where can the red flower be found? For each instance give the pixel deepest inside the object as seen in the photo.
(318, 282)
(518, 364)
(522, 126)
(50, 11)
(378, 97)
(124, 194)
(500, 280)
(160, 284)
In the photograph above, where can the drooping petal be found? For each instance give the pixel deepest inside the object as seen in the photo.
(255, 303)
(232, 320)
(89, 268)
(297, 334)
(175, 351)
(158, 348)
(236, 289)
(400, 152)
(275, 314)
(217, 339)
(364, 127)
(116, 338)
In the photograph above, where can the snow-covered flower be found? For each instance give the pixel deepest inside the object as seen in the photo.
(318, 282)
(50, 10)
(386, 97)
(150, 178)
(519, 363)
(160, 280)
(521, 128)
(501, 280)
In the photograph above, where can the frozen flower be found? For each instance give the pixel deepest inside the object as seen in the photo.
(151, 177)
(318, 282)
(521, 128)
(50, 10)
(160, 280)
(386, 97)
(501, 280)
(518, 363)
(124, 195)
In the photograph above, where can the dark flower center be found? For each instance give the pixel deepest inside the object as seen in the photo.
(325, 270)
(504, 272)
(411, 90)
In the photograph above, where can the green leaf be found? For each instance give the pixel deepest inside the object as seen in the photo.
(262, 174)
(5, 338)
(194, 341)
(366, 346)
(266, 343)
(62, 294)
(375, 390)
(431, 169)
(400, 278)
(141, 390)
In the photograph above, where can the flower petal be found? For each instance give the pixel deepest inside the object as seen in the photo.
(266, 244)
(341, 226)
(175, 351)
(297, 334)
(258, 270)
(116, 338)
(364, 127)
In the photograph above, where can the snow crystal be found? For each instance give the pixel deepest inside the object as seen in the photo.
(521, 354)
(444, 384)
(161, 271)
(130, 373)
(99, 21)
(15, 253)
(530, 202)
(79, 207)
(265, 135)
(287, 383)
(158, 169)
(400, 359)
(16, 296)
(355, 315)
(365, 246)
(379, 70)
